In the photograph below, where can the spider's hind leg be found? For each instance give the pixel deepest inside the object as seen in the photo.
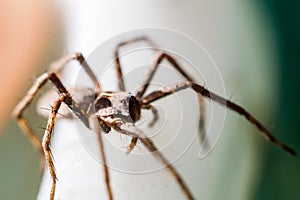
(117, 62)
(157, 62)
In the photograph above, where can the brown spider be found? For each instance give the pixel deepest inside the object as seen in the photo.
(120, 110)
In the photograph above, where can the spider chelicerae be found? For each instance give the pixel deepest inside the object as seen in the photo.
(119, 110)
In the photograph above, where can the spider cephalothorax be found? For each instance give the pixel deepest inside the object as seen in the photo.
(121, 105)
(120, 110)
(116, 107)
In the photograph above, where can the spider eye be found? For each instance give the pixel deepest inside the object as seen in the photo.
(134, 109)
(102, 103)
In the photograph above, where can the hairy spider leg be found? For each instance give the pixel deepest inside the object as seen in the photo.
(154, 111)
(56, 66)
(119, 74)
(84, 117)
(23, 104)
(94, 125)
(160, 57)
(47, 141)
(67, 99)
(165, 91)
(117, 62)
(131, 130)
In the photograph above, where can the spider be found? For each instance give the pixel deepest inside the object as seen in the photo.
(119, 110)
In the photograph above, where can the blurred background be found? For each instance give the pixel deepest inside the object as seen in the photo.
(31, 36)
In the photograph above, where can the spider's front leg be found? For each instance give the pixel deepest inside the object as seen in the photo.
(65, 97)
(47, 140)
(74, 106)
(154, 111)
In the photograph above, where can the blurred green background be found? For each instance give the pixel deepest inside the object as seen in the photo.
(280, 178)
(281, 175)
